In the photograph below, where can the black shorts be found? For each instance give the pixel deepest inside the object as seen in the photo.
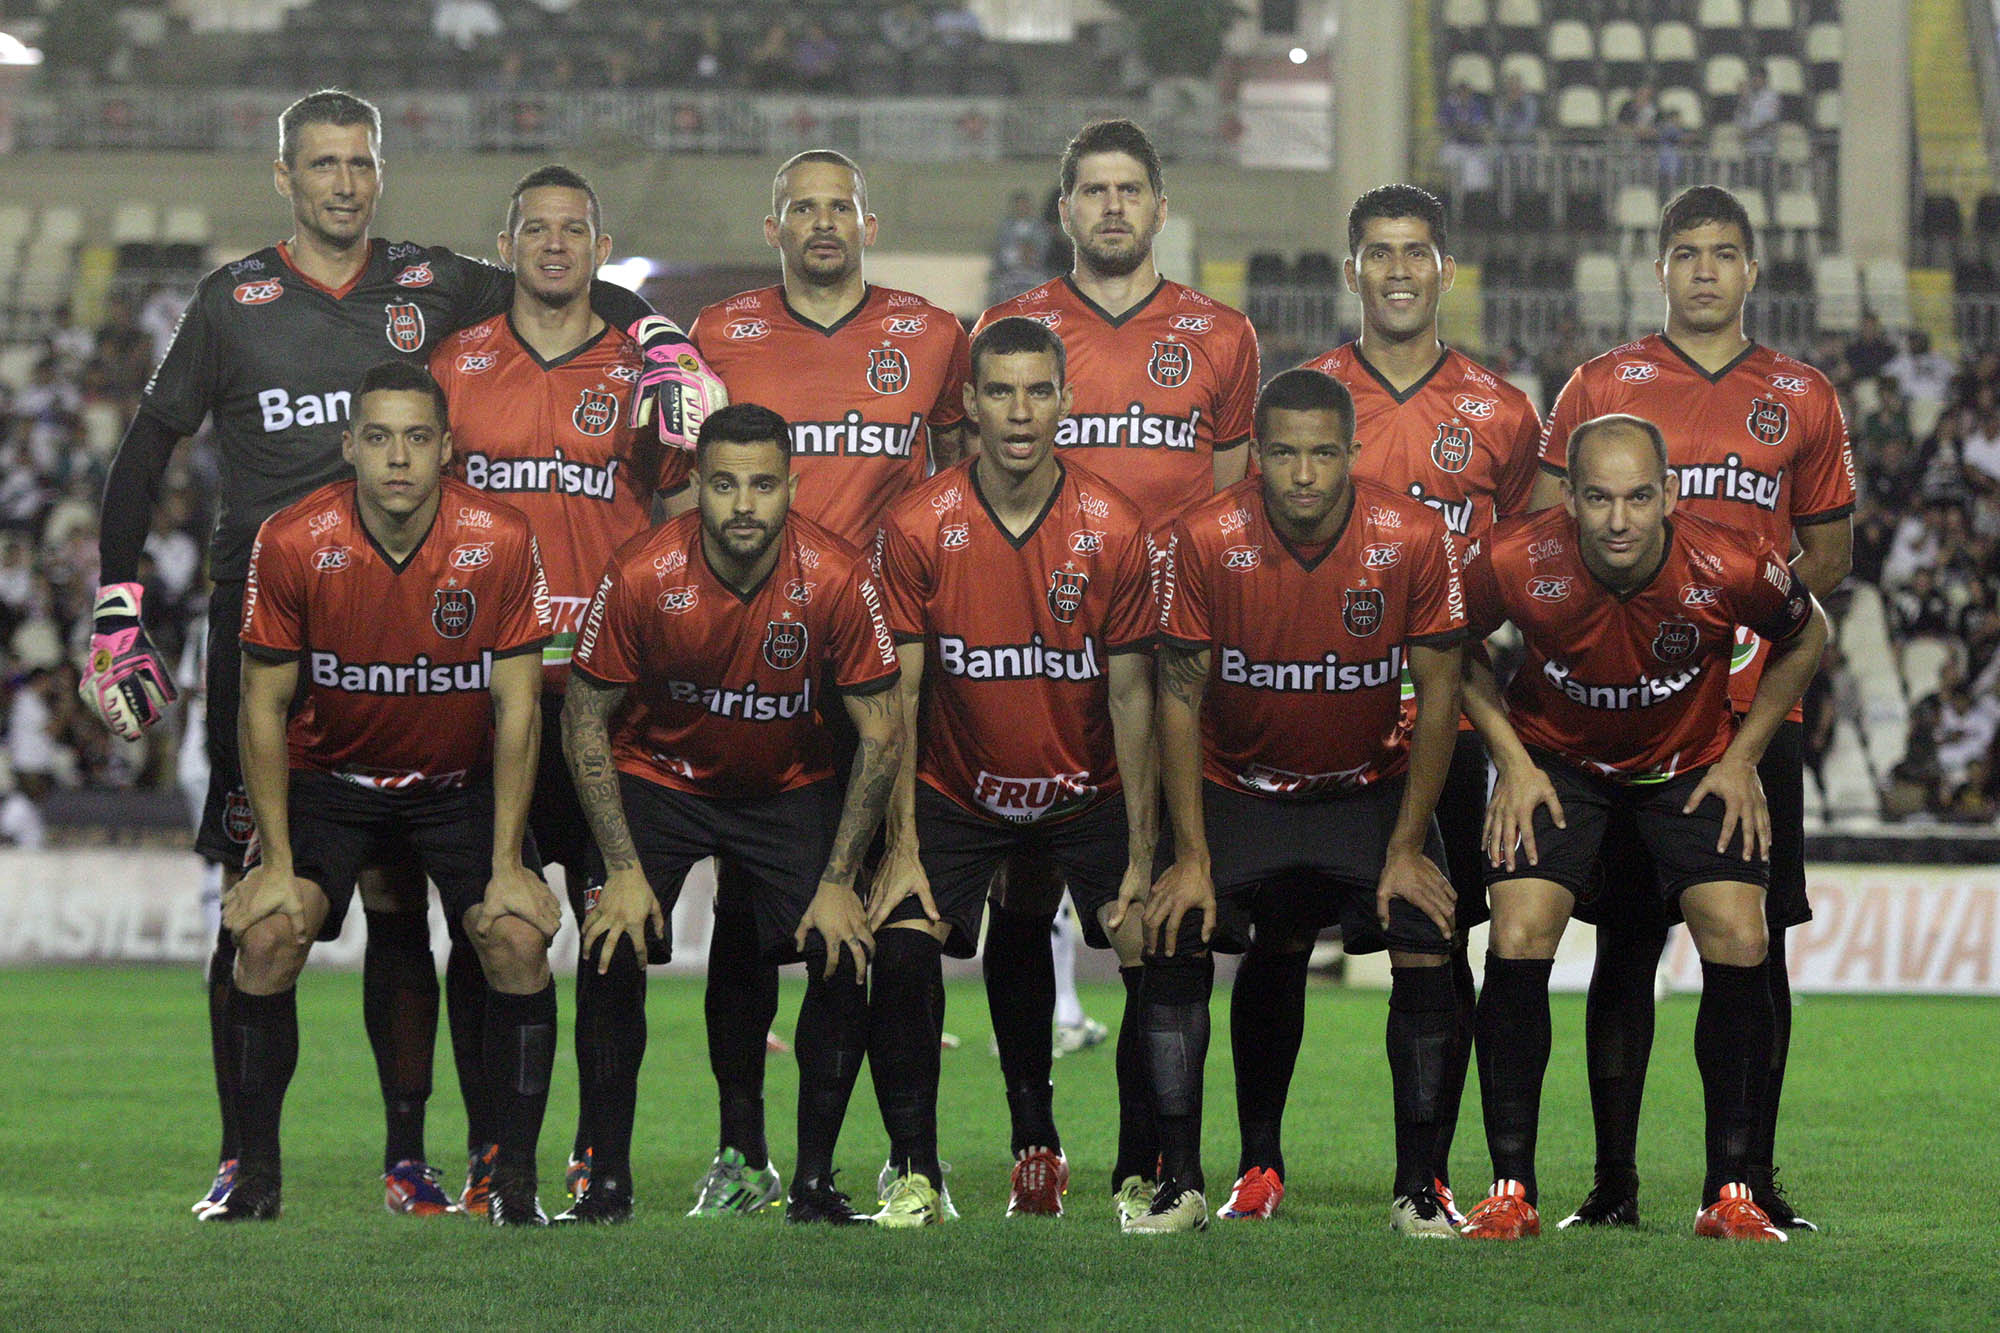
(961, 851)
(777, 846)
(339, 827)
(1680, 848)
(226, 825)
(1461, 818)
(1299, 866)
(561, 829)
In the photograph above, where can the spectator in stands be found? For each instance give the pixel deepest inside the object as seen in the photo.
(1829, 357)
(1919, 608)
(1758, 109)
(1979, 447)
(1466, 123)
(1518, 118)
(1020, 249)
(1923, 374)
(816, 59)
(1672, 136)
(1639, 118)
(32, 729)
(1871, 349)
(1889, 419)
(465, 23)
(1967, 724)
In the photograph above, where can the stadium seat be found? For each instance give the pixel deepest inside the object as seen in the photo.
(60, 226)
(1923, 662)
(1757, 208)
(1837, 285)
(185, 225)
(1518, 14)
(1464, 14)
(1472, 69)
(17, 364)
(1643, 302)
(1848, 788)
(1621, 45)
(1824, 50)
(1799, 223)
(1600, 304)
(1787, 76)
(15, 224)
(135, 221)
(1674, 51)
(1723, 75)
(1570, 49)
(1887, 283)
(1580, 108)
(1685, 105)
(1770, 16)
(1713, 15)
(1826, 110)
(1528, 68)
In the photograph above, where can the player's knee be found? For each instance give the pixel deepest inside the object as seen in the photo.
(269, 956)
(1128, 941)
(1523, 935)
(514, 955)
(1737, 938)
(901, 950)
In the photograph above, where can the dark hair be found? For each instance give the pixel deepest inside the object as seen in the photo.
(1018, 333)
(561, 177)
(1614, 421)
(403, 377)
(833, 158)
(328, 106)
(1698, 204)
(1112, 136)
(1304, 390)
(1396, 201)
(743, 423)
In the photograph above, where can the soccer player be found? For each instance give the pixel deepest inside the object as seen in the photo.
(270, 349)
(405, 615)
(1164, 382)
(871, 380)
(1436, 425)
(1759, 444)
(1019, 591)
(540, 418)
(1301, 795)
(693, 727)
(1629, 608)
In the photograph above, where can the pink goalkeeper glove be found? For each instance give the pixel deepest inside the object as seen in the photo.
(676, 388)
(124, 680)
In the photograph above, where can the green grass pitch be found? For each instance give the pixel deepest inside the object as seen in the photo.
(107, 1131)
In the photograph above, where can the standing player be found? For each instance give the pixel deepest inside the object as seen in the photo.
(694, 728)
(1435, 425)
(1622, 704)
(1759, 444)
(540, 418)
(1300, 793)
(415, 671)
(1164, 382)
(270, 348)
(871, 379)
(1019, 590)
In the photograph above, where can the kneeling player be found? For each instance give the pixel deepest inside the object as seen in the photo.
(691, 730)
(1299, 796)
(416, 733)
(1622, 707)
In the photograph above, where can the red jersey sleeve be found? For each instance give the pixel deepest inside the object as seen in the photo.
(526, 621)
(1184, 591)
(1484, 610)
(608, 648)
(1235, 415)
(1572, 409)
(905, 583)
(274, 600)
(1437, 593)
(862, 652)
(1768, 597)
(949, 409)
(1823, 488)
(1517, 474)
(1133, 621)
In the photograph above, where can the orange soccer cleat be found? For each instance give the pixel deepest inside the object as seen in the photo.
(1038, 1184)
(1504, 1214)
(1735, 1217)
(1257, 1194)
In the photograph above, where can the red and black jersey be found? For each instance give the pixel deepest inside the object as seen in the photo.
(396, 661)
(1760, 445)
(1461, 439)
(723, 693)
(1159, 389)
(1018, 635)
(555, 439)
(862, 395)
(1634, 687)
(1302, 702)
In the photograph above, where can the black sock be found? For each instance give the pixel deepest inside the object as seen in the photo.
(465, 1015)
(1421, 1015)
(1732, 1048)
(1618, 1042)
(263, 1053)
(1267, 1025)
(740, 1002)
(1175, 997)
(1021, 994)
(399, 1005)
(1513, 1050)
(829, 1043)
(221, 967)
(1457, 1058)
(903, 1045)
(610, 1047)
(1138, 1136)
(520, 1056)
(1764, 1143)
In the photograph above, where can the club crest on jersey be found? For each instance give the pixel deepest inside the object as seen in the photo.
(1637, 372)
(237, 821)
(1479, 409)
(596, 412)
(1676, 641)
(405, 329)
(1549, 587)
(1170, 365)
(1066, 589)
(1452, 449)
(416, 275)
(1361, 610)
(451, 612)
(257, 293)
(784, 643)
(888, 370)
(746, 330)
(1768, 421)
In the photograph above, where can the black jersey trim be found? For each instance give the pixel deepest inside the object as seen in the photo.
(556, 363)
(1696, 366)
(1448, 638)
(1666, 554)
(868, 687)
(828, 330)
(1055, 493)
(1559, 473)
(1293, 551)
(271, 656)
(522, 649)
(1115, 321)
(415, 551)
(1833, 515)
(1444, 355)
(1223, 446)
(600, 681)
(1141, 645)
(742, 598)
(1191, 645)
(902, 638)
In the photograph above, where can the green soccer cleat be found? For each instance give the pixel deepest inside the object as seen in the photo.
(1133, 1199)
(733, 1187)
(1421, 1216)
(910, 1201)
(887, 1177)
(1173, 1209)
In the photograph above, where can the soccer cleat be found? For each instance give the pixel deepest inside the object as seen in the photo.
(1736, 1216)
(576, 1176)
(1613, 1201)
(512, 1202)
(732, 1186)
(1132, 1199)
(1074, 1037)
(411, 1188)
(1172, 1209)
(472, 1200)
(1768, 1194)
(1445, 1201)
(887, 1177)
(1254, 1197)
(1504, 1214)
(818, 1201)
(253, 1197)
(606, 1201)
(1037, 1185)
(1421, 1216)
(225, 1176)
(910, 1201)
